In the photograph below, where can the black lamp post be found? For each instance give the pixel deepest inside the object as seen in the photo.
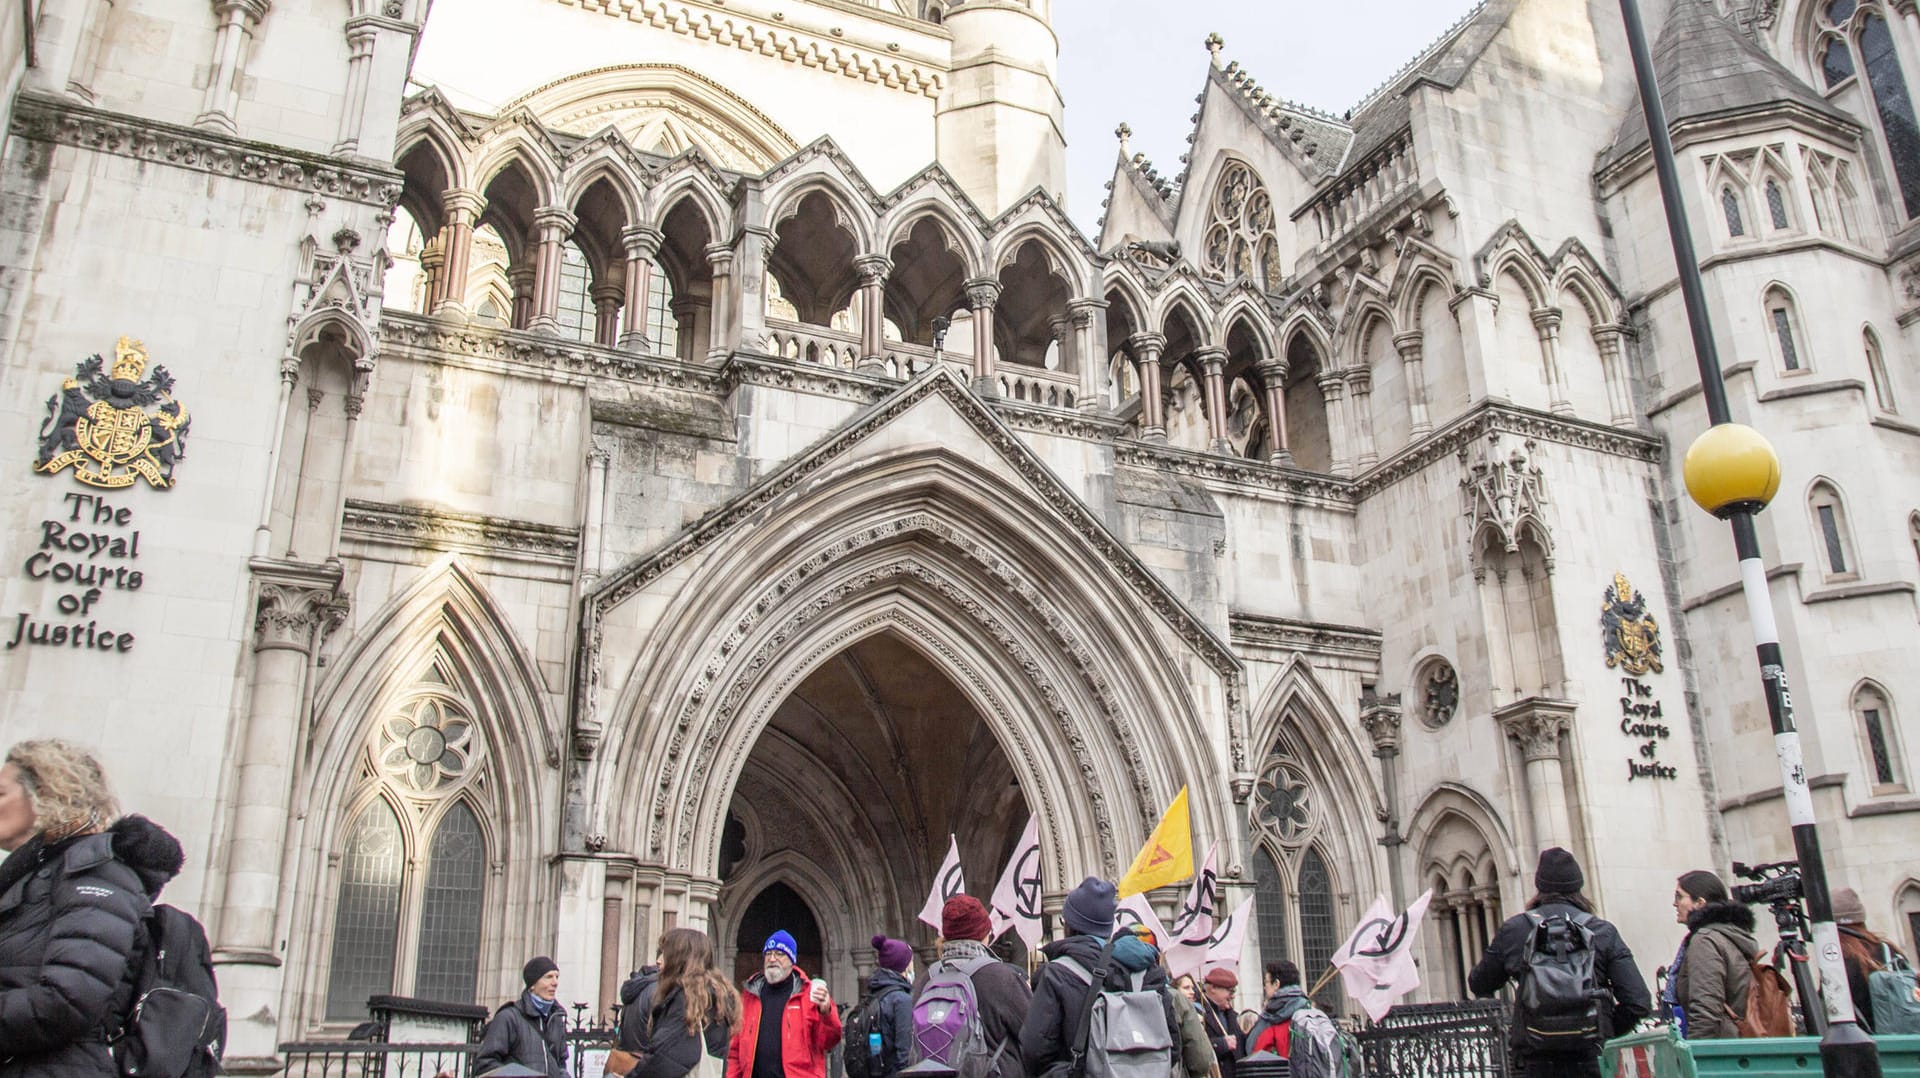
(1732, 472)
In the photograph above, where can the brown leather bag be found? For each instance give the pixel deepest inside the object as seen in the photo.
(1768, 1013)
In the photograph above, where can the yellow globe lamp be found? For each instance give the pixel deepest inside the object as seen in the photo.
(1730, 468)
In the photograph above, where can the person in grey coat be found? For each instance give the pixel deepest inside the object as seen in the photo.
(531, 1030)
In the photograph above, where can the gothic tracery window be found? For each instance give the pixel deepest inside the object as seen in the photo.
(1240, 237)
(1853, 39)
(1294, 907)
(413, 862)
(1439, 689)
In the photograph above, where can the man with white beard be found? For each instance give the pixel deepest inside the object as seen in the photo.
(787, 1021)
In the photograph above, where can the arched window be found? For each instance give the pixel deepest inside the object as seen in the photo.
(576, 306)
(1877, 372)
(1730, 206)
(1777, 205)
(1783, 323)
(1853, 38)
(663, 330)
(412, 886)
(1318, 933)
(1830, 532)
(1269, 907)
(1240, 238)
(1879, 740)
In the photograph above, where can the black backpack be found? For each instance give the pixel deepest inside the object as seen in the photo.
(176, 1027)
(1560, 1001)
(862, 1023)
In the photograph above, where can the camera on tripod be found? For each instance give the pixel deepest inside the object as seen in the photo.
(1779, 882)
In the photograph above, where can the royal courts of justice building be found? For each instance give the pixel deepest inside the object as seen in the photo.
(517, 480)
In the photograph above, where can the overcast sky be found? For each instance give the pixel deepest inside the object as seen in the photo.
(1144, 62)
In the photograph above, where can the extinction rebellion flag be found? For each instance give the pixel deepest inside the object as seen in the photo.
(1376, 962)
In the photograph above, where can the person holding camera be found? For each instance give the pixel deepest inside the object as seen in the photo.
(1712, 973)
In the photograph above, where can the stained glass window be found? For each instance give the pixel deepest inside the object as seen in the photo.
(1777, 205)
(1830, 533)
(1730, 205)
(1877, 744)
(365, 925)
(1783, 333)
(449, 961)
(1318, 934)
(1895, 106)
(1269, 907)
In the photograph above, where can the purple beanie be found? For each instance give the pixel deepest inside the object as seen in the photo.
(894, 954)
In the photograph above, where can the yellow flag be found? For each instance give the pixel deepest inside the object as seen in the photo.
(1168, 855)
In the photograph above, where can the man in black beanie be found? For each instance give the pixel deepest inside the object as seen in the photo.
(1059, 996)
(1560, 1016)
(531, 1030)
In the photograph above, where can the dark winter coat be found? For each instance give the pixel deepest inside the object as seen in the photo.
(1614, 967)
(1713, 982)
(1222, 1025)
(896, 1017)
(1276, 1015)
(1002, 992)
(1060, 999)
(655, 1029)
(71, 915)
(519, 1033)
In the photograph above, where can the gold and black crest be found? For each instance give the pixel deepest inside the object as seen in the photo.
(1633, 635)
(115, 426)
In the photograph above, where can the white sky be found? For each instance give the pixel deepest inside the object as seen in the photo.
(1144, 62)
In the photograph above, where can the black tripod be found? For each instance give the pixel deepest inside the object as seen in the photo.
(1791, 923)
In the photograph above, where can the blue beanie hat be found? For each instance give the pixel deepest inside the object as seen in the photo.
(783, 942)
(1090, 907)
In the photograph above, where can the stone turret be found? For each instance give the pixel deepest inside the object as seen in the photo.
(1000, 130)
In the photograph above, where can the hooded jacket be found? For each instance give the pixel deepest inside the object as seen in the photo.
(1614, 967)
(1713, 982)
(71, 924)
(519, 1033)
(655, 1029)
(896, 1015)
(1060, 998)
(806, 1035)
(1273, 1030)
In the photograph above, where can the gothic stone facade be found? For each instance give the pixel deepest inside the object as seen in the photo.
(620, 462)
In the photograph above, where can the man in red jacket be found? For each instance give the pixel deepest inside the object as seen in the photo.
(787, 1021)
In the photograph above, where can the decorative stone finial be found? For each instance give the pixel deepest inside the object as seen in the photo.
(1214, 42)
(1123, 133)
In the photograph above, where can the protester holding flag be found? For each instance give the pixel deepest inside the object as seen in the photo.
(1216, 1013)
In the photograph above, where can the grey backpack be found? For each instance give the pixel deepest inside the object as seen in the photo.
(1896, 994)
(1124, 1033)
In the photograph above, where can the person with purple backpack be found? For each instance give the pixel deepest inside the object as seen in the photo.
(968, 1006)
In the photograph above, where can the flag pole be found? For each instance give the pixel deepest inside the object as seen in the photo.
(1322, 982)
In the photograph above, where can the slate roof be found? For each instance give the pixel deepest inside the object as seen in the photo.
(1707, 67)
(1386, 111)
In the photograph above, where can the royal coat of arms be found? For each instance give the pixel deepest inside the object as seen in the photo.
(1633, 636)
(117, 427)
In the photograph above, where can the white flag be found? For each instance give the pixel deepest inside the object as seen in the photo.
(946, 883)
(1229, 937)
(1136, 910)
(1192, 928)
(1016, 898)
(1376, 962)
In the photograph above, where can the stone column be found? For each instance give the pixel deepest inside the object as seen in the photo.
(592, 538)
(521, 279)
(1333, 391)
(360, 42)
(1146, 352)
(1360, 393)
(314, 396)
(297, 606)
(551, 227)
(1273, 382)
(688, 318)
(1412, 348)
(1380, 714)
(86, 57)
(232, 36)
(433, 267)
(873, 270)
(1213, 371)
(721, 314)
(1546, 323)
(642, 244)
(1089, 357)
(982, 294)
(354, 401)
(606, 314)
(289, 378)
(1536, 725)
(1611, 340)
(463, 209)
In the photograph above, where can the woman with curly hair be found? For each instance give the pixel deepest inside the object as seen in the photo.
(75, 890)
(679, 1013)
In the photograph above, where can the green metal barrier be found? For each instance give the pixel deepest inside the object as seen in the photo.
(1657, 1053)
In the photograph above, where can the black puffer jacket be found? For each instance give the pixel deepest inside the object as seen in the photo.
(655, 1029)
(1614, 967)
(519, 1034)
(1060, 999)
(71, 916)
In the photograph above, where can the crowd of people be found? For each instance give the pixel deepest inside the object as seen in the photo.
(78, 924)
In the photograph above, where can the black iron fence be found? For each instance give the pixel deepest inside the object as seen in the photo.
(1438, 1040)
(586, 1058)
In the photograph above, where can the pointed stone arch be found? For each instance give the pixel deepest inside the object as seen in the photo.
(605, 161)
(852, 209)
(933, 203)
(518, 141)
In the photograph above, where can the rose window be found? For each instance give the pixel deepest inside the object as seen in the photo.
(428, 744)
(1240, 238)
(1283, 803)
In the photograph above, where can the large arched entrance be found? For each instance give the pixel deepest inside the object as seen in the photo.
(846, 802)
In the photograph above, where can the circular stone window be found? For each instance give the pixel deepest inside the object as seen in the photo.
(1439, 689)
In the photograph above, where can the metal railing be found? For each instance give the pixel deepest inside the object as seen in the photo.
(376, 1059)
(1438, 1040)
